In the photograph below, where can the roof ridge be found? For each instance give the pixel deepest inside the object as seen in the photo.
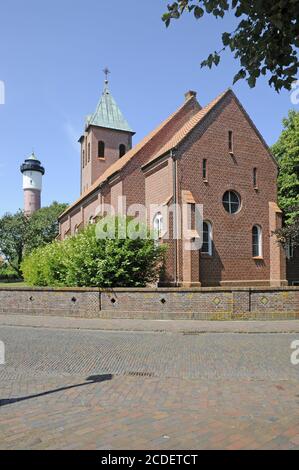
(180, 135)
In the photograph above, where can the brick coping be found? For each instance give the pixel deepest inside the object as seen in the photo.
(152, 289)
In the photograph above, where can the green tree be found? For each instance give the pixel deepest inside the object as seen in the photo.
(265, 40)
(85, 260)
(43, 226)
(290, 233)
(13, 230)
(286, 152)
(20, 234)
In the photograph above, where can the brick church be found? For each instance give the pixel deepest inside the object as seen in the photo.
(212, 155)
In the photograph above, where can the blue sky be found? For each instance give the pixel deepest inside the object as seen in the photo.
(52, 54)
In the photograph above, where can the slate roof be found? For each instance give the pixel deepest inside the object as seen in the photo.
(108, 114)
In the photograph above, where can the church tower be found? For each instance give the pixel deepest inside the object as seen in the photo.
(107, 137)
(33, 172)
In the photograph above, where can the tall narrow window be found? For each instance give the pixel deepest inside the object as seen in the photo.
(205, 169)
(89, 152)
(207, 246)
(101, 149)
(230, 141)
(83, 158)
(254, 177)
(122, 150)
(257, 249)
(158, 225)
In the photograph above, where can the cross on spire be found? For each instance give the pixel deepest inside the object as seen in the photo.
(106, 72)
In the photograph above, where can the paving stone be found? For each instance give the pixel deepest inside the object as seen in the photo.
(213, 391)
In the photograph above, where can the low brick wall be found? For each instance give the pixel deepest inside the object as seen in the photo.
(161, 303)
(64, 302)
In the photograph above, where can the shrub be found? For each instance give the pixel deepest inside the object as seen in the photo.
(45, 266)
(86, 261)
(8, 274)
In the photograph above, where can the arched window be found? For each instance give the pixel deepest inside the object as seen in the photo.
(158, 225)
(75, 229)
(257, 242)
(91, 219)
(122, 150)
(207, 238)
(101, 149)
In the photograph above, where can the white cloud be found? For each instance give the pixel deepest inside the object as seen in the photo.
(72, 135)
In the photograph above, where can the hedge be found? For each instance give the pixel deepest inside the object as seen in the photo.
(84, 260)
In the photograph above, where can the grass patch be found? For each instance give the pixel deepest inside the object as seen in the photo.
(13, 284)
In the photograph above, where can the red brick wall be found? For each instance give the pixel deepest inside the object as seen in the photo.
(134, 181)
(232, 234)
(96, 166)
(158, 187)
(232, 251)
(196, 304)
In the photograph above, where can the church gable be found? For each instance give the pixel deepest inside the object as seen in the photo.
(226, 146)
(235, 133)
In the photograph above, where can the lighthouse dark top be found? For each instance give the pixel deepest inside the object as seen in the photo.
(32, 164)
(33, 172)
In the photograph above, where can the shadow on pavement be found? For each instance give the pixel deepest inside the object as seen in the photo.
(89, 380)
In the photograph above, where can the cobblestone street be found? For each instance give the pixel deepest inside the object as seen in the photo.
(83, 389)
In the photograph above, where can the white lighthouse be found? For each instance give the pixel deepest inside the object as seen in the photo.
(33, 172)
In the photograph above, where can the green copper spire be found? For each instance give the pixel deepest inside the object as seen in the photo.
(107, 113)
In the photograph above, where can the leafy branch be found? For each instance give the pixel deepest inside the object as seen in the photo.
(265, 41)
